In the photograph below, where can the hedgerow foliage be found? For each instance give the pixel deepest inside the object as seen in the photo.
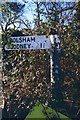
(26, 74)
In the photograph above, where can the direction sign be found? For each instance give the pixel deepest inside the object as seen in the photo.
(28, 42)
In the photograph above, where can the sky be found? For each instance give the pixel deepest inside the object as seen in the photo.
(28, 10)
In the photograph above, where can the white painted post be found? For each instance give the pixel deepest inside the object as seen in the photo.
(51, 58)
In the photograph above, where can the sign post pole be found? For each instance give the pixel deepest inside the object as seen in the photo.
(51, 58)
(34, 42)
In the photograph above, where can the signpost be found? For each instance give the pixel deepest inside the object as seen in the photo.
(33, 42)
(28, 43)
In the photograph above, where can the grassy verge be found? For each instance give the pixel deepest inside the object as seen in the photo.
(40, 111)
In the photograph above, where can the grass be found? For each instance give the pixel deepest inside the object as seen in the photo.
(38, 111)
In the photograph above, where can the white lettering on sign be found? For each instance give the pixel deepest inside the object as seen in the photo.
(28, 42)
